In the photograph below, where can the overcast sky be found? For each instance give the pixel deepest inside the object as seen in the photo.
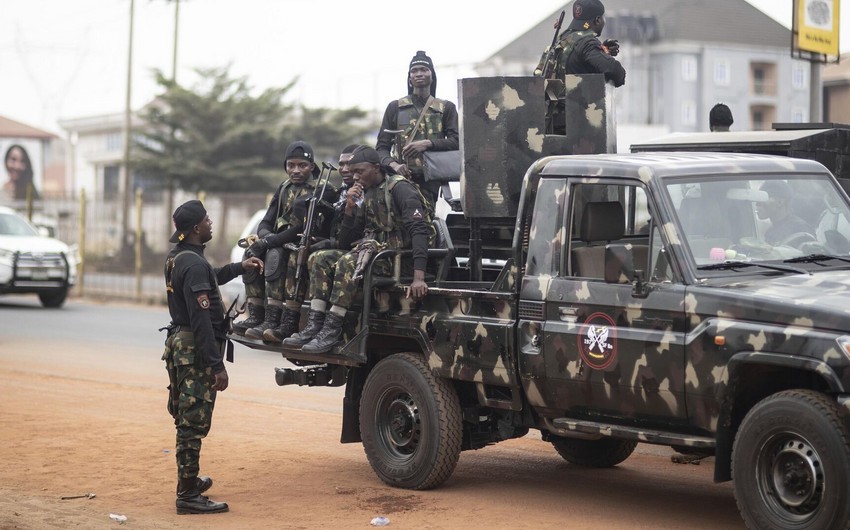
(68, 58)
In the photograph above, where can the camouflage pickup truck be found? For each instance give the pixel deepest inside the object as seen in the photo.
(695, 300)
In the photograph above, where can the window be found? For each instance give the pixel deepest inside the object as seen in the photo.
(798, 77)
(114, 142)
(596, 210)
(544, 249)
(798, 115)
(763, 77)
(689, 113)
(111, 177)
(689, 68)
(722, 74)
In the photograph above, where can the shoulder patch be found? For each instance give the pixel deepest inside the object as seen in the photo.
(204, 301)
(417, 214)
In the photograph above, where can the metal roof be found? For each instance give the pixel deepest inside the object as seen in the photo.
(682, 140)
(726, 22)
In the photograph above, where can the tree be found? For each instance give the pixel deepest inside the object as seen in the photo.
(219, 138)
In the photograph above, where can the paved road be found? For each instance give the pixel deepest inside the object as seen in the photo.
(82, 409)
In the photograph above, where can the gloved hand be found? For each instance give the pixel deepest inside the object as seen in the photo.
(259, 247)
(611, 46)
(325, 244)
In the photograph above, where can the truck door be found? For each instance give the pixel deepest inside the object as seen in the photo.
(614, 348)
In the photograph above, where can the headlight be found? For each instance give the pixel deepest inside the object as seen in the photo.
(6, 255)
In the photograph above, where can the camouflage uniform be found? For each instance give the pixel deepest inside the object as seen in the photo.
(440, 125)
(322, 263)
(393, 216)
(193, 349)
(280, 220)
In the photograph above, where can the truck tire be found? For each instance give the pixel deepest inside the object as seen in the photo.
(790, 463)
(605, 452)
(410, 423)
(53, 298)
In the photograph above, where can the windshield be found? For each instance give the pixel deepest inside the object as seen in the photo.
(750, 220)
(12, 225)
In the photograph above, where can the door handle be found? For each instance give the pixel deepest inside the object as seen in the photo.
(568, 314)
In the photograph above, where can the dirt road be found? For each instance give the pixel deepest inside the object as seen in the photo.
(76, 419)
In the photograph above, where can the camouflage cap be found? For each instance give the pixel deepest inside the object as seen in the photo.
(584, 11)
(185, 217)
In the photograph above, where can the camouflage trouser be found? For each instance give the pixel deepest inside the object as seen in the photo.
(345, 288)
(282, 288)
(430, 191)
(322, 266)
(190, 400)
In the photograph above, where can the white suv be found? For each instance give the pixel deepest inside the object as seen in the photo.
(32, 263)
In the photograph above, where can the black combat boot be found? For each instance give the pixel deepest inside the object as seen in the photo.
(190, 500)
(288, 326)
(272, 321)
(204, 483)
(256, 316)
(328, 337)
(315, 321)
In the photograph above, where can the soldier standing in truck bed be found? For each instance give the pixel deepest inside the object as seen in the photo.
(426, 127)
(579, 51)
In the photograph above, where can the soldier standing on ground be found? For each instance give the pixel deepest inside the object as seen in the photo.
(394, 217)
(194, 349)
(279, 226)
(436, 131)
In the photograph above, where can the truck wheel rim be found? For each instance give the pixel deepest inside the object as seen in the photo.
(791, 476)
(400, 423)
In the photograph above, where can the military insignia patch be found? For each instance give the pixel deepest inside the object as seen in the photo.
(597, 343)
(417, 214)
(204, 301)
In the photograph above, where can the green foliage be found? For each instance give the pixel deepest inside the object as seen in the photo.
(217, 137)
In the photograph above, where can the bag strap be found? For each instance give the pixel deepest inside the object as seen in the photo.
(419, 120)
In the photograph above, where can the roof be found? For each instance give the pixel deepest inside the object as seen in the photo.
(649, 165)
(682, 140)
(727, 22)
(10, 128)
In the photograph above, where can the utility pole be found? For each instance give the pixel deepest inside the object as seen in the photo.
(176, 25)
(125, 210)
(169, 196)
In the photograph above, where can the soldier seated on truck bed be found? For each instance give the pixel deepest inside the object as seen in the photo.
(393, 216)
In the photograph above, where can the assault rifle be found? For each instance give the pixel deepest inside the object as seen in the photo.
(548, 62)
(303, 248)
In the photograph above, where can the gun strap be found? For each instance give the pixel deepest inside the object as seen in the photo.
(419, 120)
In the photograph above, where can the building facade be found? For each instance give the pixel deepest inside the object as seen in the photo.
(682, 58)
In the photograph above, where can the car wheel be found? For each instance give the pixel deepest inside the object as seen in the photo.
(410, 423)
(790, 463)
(54, 298)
